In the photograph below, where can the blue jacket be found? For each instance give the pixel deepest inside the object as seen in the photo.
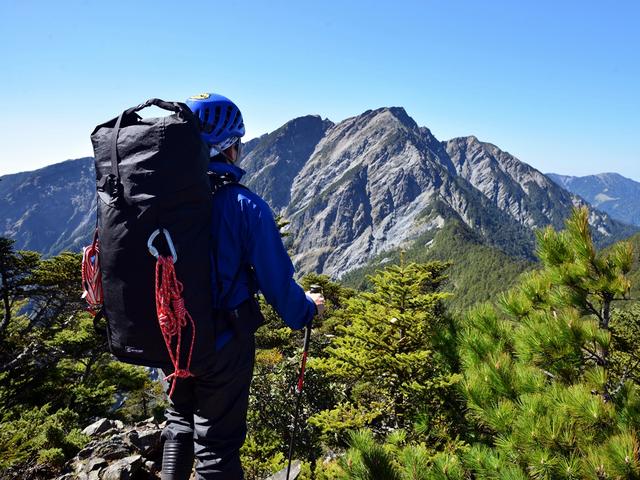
(248, 255)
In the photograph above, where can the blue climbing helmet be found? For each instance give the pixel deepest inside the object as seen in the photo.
(220, 120)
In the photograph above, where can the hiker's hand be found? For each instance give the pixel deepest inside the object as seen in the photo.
(318, 298)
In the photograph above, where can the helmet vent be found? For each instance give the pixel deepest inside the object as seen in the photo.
(236, 119)
(228, 116)
(206, 126)
(216, 119)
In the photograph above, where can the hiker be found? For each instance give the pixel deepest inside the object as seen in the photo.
(207, 413)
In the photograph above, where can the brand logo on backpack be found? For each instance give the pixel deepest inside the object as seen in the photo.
(133, 350)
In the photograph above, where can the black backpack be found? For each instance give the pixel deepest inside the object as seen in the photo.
(154, 197)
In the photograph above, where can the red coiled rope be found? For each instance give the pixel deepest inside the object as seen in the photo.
(92, 277)
(172, 316)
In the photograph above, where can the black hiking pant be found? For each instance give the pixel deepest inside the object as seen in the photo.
(210, 410)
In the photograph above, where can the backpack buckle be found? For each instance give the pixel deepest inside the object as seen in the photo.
(114, 185)
(154, 251)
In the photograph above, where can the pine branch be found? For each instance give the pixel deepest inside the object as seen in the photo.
(28, 350)
(548, 374)
(595, 357)
(625, 376)
(594, 310)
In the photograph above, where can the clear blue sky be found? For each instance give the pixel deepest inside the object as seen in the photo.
(556, 83)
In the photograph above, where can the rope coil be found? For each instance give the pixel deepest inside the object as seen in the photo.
(173, 316)
(92, 277)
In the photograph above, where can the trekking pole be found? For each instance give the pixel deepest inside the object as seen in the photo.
(303, 364)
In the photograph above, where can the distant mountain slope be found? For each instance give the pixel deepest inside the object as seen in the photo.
(528, 195)
(50, 209)
(479, 272)
(610, 192)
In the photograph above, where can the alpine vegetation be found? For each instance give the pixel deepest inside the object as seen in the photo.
(548, 383)
(540, 383)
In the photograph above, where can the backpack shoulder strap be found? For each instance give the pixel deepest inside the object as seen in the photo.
(218, 182)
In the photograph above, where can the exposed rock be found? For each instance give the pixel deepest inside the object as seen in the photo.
(528, 196)
(147, 441)
(113, 449)
(378, 182)
(152, 466)
(99, 426)
(121, 452)
(279, 156)
(95, 464)
(123, 469)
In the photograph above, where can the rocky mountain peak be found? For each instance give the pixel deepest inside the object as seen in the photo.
(306, 122)
(276, 159)
(372, 144)
(391, 114)
(401, 115)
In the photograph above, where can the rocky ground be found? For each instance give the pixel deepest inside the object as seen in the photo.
(118, 452)
(127, 452)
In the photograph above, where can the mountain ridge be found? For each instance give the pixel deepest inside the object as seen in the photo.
(368, 180)
(351, 190)
(611, 192)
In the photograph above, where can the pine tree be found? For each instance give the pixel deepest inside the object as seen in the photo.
(367, 459)
(391, 357)
(15, 276)
(539, 378)
(625, 347)
(56, 374)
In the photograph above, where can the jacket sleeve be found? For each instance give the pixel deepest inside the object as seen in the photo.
(272, 265)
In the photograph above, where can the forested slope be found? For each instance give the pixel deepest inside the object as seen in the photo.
(478, 272)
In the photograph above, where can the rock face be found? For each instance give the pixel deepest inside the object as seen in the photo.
(514, 187)
(378, 181)
(277, 158)
(610, 192)
(351, 191)
(118, 452)
(373, 183)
